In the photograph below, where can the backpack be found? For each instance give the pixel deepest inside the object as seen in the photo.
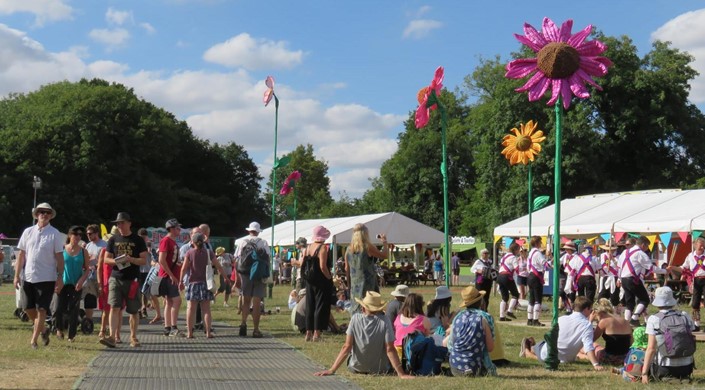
(413, 347)
(310, 270)
(633, 364)
(674, 337)
(249, 255)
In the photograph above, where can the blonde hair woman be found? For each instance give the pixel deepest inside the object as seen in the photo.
(359, 265)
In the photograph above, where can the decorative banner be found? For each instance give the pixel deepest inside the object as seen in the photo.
(683, 236)
(592, 240)
(521, 242)
(540, 202)
(635, 235)
(652, 239)
(618, 236)
(564, 240)
(497, 238)
(665, 238)
(508, 241)
(697, 233)
(605, 237)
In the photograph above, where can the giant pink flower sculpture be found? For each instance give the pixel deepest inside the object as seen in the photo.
(289, 183)
(269, 93)
(564, 61)
(424, 110)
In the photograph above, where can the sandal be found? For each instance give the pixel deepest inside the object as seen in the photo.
(155, 320)
(118, 341)
(256, 334)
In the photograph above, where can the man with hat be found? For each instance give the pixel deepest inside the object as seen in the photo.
(480, 269)
(170, 260)
(567, 281)
(41, 259)
(399, 294)
(226, 261)
(634, 264)
(369, 344)
(252, 290)
(126, 252)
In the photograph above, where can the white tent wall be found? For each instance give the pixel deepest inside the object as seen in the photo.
(653, 211)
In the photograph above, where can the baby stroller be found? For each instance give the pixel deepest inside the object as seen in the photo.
(85, 324)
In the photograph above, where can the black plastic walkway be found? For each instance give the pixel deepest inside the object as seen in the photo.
(224, 362)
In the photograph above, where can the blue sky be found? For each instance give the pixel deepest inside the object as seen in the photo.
(347, 73)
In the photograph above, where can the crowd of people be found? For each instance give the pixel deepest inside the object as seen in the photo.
(402, 335)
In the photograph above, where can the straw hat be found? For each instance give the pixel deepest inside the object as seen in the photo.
(471, 295)
(609, 245)
(219, 251)
(569, 245)
(401, 290)
(44, 206)
(373, 302)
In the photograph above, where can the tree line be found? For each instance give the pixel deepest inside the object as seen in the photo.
(100, 149)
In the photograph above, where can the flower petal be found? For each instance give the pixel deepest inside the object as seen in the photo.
(421, 116)
(269, 82)
(550, 31)
(520, 68)
(567, 94)
(268, 94)
(578, 87)
(437, 82)
(578, 38)
(555, 91)
(539, 89)
(566, 30)
(526, 41)
(534, 36)
(536, 147)
(592, 67)
(591, 48)
(532, 81)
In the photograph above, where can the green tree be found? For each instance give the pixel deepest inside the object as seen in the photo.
(99, 149)
(312, 190)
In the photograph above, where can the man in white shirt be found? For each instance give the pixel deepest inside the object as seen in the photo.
(252, 290)
(584, 268)
(41, 259)
(574, 333)
(695, 262)
(634, 264)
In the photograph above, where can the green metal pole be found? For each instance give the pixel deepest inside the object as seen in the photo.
(270, 287)
(552, 336)
(444, 173)
(531, 205)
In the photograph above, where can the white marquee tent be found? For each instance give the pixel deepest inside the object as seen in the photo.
(647, 212)
(400, 230)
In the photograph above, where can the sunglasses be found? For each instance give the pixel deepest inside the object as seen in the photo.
(45, 212)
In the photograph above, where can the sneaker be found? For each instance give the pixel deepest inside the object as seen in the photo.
(167, 331)
(134, 343)
(225, 304)
(634, 323)
(504, 319)
(529, 322)
(511, 315)
(256, 334)
(175, 332)
(243, 330)
(108, 342)
(45, 336)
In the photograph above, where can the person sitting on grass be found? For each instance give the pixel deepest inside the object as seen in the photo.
(574, 332)
(369, 344)
(616, 332)
(634, 361)
(471, 337)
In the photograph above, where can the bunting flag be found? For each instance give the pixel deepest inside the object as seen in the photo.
(521, 242)
(564, 240)
(652, 239)
(683, 236)
(592, 240)
(103, 230)
(497, 238)
(544, 240)
(605, 237)
(665, 238)
(508, 241)
(697, 233)
(618, 236)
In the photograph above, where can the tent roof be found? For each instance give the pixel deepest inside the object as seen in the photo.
(398, 228)
(654, 211)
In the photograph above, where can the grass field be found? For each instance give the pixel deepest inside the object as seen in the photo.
(59, 365)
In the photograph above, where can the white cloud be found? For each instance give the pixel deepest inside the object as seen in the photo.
(224, 107)
(244, 51)
(43, 10)
(686, 32)
(112, 38)
(423, 10)
(148, 28)
(420, 28)
(116, 17)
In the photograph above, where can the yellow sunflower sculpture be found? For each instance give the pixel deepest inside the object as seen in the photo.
(524, 145)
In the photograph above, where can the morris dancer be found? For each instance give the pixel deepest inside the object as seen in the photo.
(695, 262)
(537, 266)
(508, 266)
(584, 268)
(634, 265)
(609, 283)
(567, 294)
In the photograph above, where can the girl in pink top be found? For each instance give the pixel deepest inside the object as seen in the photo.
(411, 319)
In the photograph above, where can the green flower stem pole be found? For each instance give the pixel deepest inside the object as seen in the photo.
(294, 214)
(552, 335)
(270, 287)
(433, 99)
(531, 204)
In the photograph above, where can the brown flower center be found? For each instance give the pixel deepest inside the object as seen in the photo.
(523, 143)
(421, 94)
(558, 60)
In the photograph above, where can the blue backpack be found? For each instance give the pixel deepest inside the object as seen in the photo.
(421, 356)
